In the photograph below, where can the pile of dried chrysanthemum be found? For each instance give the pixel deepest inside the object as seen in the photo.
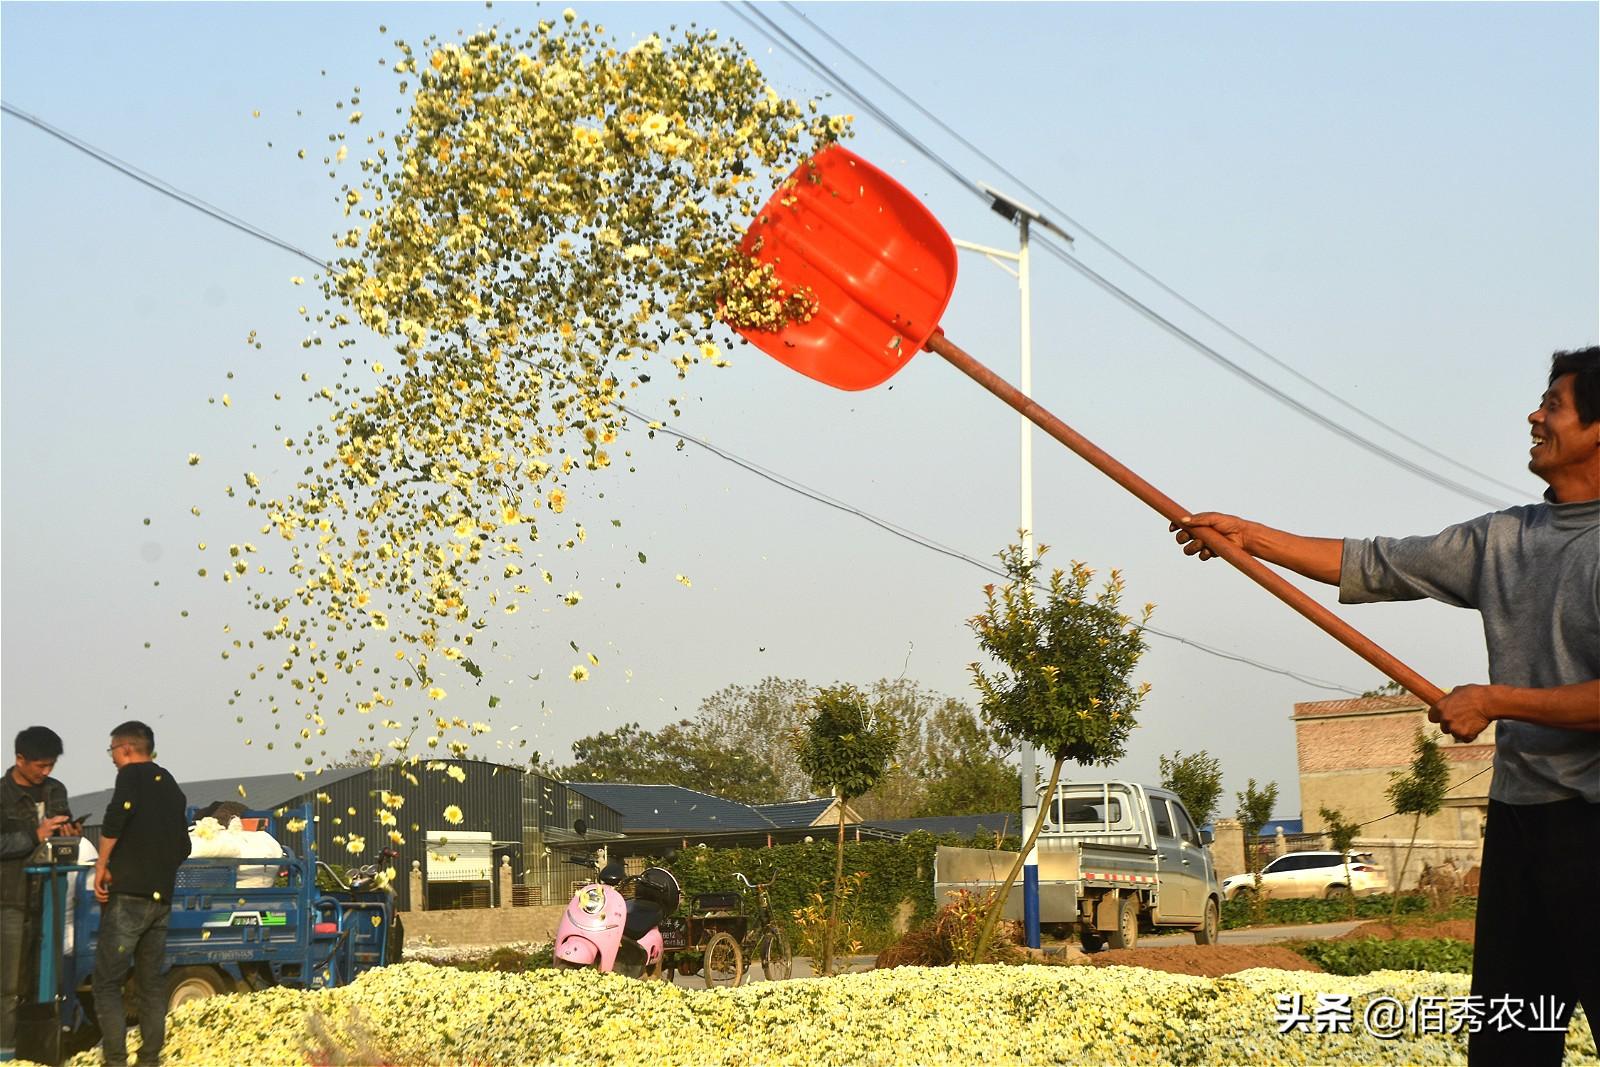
(417, 1013)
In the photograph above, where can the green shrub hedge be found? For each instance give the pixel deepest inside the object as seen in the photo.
(1370, 954)
(1237, 913)
(898, 872)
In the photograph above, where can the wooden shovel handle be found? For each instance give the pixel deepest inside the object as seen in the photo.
(1264, 576)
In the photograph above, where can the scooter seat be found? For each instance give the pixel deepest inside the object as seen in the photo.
(642, 916)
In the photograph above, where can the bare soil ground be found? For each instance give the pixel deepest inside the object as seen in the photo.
(1206, 961)
(1459, 929)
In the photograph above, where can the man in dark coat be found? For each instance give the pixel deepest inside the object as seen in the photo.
(33, 808)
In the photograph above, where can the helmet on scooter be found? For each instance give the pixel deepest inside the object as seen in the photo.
(658, 885)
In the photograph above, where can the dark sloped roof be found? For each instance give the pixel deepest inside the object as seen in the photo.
(1311, 709)
(659, 808)
(793, 814)
(262, 791)
(1270, 829)
(965, 825)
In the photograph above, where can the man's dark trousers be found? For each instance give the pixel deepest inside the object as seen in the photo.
(14, 934)
(133, 936)
(1538, 930)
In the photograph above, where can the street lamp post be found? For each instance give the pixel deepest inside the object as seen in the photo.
(1023, 216)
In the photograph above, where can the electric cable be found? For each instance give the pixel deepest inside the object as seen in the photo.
(188, 200)
(776, 33)
(918, 539)
(163, 187)
(1141, 271)
(1271, 390)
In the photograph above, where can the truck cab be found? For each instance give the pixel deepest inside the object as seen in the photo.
(1146, 817)
(1115, 858)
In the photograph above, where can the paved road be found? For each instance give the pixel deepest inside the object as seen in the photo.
(1260, 935)
(1255, 935)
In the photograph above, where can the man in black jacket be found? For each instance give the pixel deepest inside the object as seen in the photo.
(33, 807)
(144, 837)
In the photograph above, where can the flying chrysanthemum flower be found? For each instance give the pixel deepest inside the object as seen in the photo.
(520, 296)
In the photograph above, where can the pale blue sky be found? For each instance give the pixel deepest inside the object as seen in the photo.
(1397, 200)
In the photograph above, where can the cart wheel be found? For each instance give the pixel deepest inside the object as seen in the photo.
(653, 972)
(195, 983)
(724, 964)
(777, 962)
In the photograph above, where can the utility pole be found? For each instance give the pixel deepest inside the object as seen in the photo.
(1023, 216)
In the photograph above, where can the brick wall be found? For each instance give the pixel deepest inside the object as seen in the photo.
(1349, 749)
(484, 926)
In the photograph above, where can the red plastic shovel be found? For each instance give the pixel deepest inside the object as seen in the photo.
(882, 270)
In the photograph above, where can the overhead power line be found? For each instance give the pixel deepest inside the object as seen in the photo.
(922, 541)
(1085, 231)
(1271, 390)
(754, 17)
(161, 186)
(191, 201)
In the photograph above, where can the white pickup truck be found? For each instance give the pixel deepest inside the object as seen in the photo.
(1115, 859)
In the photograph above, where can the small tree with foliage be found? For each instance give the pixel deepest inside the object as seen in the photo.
(1197, 779)
(845, 750)
(1342, 834)
(1254, 812)
(1063, 684)
(1417, 793)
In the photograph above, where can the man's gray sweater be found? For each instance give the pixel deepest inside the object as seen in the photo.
(1533, 573)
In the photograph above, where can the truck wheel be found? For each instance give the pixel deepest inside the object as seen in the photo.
(1126, 935)
(195, 983)
(1206, 933)
(1091, 940)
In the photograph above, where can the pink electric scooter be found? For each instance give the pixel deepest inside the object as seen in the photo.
(601, 929)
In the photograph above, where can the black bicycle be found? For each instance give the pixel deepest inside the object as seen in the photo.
(766, 940)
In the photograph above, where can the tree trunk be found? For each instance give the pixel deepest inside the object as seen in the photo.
(838, 886)
(1400, 879)
(998, 904)
(1350, 886)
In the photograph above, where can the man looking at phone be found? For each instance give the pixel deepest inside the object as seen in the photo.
(144, 837)
(33, 808)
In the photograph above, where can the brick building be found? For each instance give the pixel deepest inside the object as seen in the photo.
(1348, 749)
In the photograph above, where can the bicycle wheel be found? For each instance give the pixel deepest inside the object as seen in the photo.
(777, 961)
(724, 963)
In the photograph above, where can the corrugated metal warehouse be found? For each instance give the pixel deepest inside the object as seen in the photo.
(505, 812)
